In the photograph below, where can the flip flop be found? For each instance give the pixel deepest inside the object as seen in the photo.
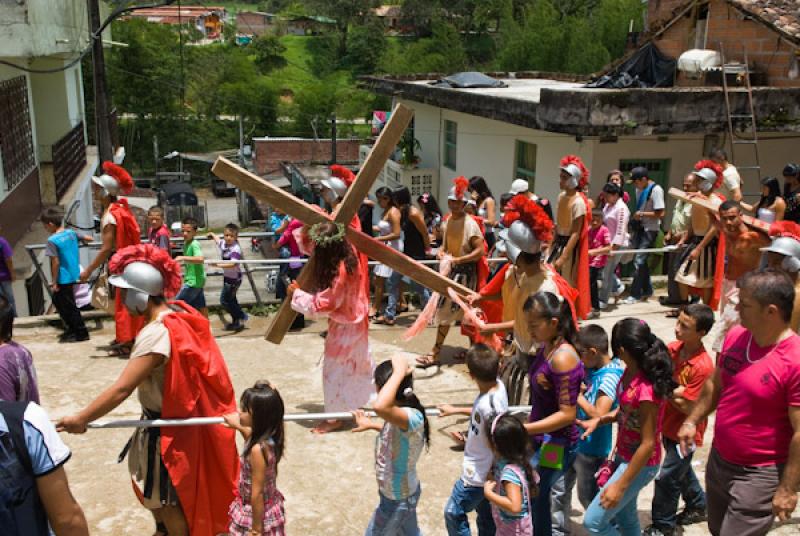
(427, 361)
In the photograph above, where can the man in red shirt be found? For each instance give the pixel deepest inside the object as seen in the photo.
(692, 366)
(753, 470)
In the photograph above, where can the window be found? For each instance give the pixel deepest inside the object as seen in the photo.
(659, 172)
(525, 163)
(450, 140)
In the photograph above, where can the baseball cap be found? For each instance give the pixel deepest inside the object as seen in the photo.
(791, 170)
(637, 173)
(519, 186)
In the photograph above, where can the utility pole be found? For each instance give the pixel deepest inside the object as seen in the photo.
(101, 100)
(333, 138)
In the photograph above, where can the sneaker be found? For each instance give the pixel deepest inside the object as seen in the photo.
(655, 530)
(630, 300)
(594, 314)
(245, 319)
(234, 326)
(72, 337)
(619, 290)
(603, 306)
(690, 516)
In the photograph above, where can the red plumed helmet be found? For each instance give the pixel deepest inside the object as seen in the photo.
(155, 257)
(461, 185)
(575, 160)
(122, 177)
(713, 166)
(785, 228)
(524, 209)
(343, 173)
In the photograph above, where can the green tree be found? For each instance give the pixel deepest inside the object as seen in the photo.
(269, 52)
(612, 18)
(585, 53)
(314, 105)
(537, 43)
(420, 14)
(346, 13)
(367, 45)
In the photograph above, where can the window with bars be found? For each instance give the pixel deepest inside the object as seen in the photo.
(421, 184)
(16, 136)
(525, 163)
(450, 141)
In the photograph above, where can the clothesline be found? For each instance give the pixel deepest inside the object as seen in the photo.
(291, 417)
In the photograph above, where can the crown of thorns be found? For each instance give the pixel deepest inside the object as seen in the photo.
(320, 240)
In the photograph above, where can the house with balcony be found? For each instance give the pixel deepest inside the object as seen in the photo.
(519, 125)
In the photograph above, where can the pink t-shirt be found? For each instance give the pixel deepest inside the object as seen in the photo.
(598, 238)
(629, 435)
(616, 217)
(752, 425)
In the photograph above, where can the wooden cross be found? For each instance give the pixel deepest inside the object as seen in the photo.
(308, 214)
(755, 223)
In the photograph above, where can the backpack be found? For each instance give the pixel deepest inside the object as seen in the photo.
(21, 510)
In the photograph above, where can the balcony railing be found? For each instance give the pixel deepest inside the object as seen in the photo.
(69, 157)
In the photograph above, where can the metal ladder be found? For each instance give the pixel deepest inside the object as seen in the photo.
(736, 138)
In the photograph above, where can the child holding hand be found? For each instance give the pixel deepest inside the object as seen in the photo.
(397, 448)
(258, 509)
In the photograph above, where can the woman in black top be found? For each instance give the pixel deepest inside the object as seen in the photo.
(791, 189)
(416, 242)
(433, 217)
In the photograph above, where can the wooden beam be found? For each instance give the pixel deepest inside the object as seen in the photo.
(375, 249)
(284, 317)
(264, 190)
(755, 223)
(373, 165)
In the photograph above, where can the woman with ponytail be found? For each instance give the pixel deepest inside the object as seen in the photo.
(402, 436)
(645, 386)
(555, 377)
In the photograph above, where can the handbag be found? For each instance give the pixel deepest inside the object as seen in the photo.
(609, 465)
(101, 293)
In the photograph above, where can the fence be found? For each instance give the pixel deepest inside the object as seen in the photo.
(69, 157)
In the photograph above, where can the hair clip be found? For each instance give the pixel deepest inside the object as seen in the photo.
(408, 391)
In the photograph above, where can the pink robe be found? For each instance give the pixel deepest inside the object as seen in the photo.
(347, 366)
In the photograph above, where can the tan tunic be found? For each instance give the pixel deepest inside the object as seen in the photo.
(516, 290)
(570, 207)
(700, 273)
(457, 233)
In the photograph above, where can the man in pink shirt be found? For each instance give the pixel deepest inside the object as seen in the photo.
(753, 470)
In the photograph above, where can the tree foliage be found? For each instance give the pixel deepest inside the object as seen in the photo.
(269, 53)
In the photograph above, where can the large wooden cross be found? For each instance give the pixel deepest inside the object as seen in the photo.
(309, 214)
(755, 223)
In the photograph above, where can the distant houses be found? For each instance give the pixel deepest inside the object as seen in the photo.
(209, 20)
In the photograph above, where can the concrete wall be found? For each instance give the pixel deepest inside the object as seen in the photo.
(43, 28)
(57, 99)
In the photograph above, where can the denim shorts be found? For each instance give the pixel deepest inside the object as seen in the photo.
(193, 296)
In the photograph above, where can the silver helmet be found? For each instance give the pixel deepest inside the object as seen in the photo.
(518, 238)
(336, 185)
(790, 249)
(108, 183)
(707, 178)
(575, 174)
(141, 281)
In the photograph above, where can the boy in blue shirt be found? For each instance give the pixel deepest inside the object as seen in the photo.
(62, 248)
(603, 374)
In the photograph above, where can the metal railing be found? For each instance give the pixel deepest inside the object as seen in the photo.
(69, 157)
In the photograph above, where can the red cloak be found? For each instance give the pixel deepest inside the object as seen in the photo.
(583, 301)
(201, 460)
(127, 234)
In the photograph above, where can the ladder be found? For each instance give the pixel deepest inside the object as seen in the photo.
(736, 138)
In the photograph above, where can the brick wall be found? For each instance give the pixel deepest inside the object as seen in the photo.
(727, 25)
(270, 152)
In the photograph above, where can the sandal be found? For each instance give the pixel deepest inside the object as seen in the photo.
(122, 351)
(459, 437)
(430, 359)
(673, 313)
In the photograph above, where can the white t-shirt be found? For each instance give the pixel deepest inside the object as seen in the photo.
(478, 456)
(655, 201)
(730, 180)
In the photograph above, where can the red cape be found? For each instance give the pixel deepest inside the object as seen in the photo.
(202, 460)
(567, 291)
(583, 302)
(127, 229)
(494, 308)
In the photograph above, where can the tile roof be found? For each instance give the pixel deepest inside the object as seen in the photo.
(782, 15)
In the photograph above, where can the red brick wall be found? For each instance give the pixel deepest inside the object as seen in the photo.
(270, 152)
(765, 52)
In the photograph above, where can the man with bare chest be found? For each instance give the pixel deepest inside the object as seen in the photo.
(743, 251)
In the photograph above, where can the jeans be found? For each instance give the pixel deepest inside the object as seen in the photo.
(582, 472)
(595, 274)
(676, 479)
(228, 299)
(610, 281)
(64, 302)
(622, 519)
(673, 289)
(192, 296)
(7, 292)
(642, 286)
(542, 511)
(395, 517)
(280, 292)
(392, 295)
(465, 499)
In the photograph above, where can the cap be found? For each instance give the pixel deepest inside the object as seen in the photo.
(519, 186)
(639, 172)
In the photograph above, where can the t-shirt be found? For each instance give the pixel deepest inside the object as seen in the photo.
(549, 390)
(153, 339)
(629, 435)
(730, 180)
(506, 472)
(601, 380)
(396, 455)
(159, 237)
(228, 253)
(616, 217)
(458, 234)
(515, 291)
(17, 374)
(5, 253)
(681, 213)
(288, 239)
(752, 425)
(692, 373)
(478, 456)
(46, 450)
(194, 274)
(598, 238)
(655, 201)
(64, 245)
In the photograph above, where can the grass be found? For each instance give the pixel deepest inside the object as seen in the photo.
(296, 73)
